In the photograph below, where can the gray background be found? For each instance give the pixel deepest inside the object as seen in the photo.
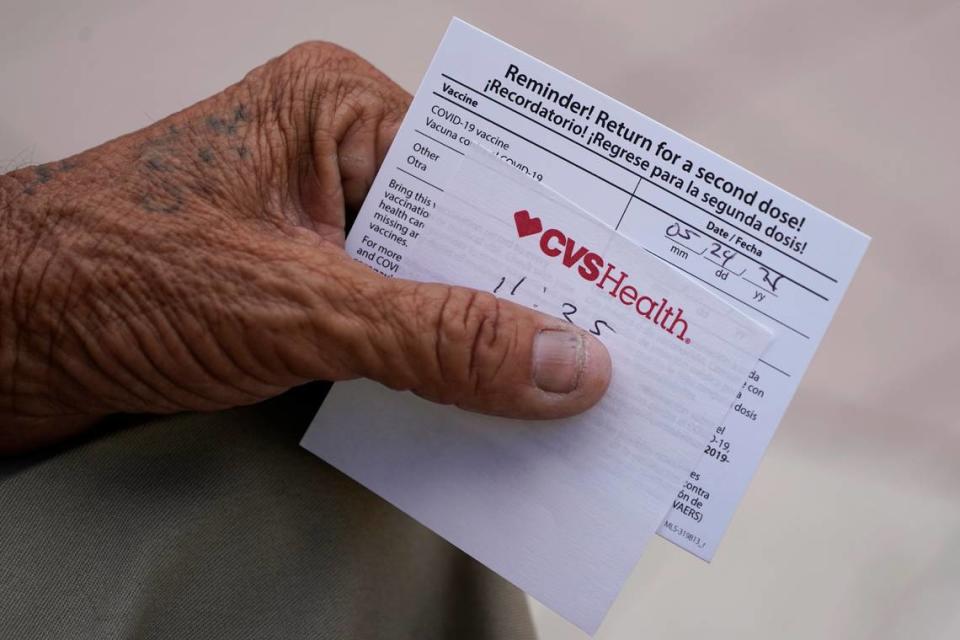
(852, 526)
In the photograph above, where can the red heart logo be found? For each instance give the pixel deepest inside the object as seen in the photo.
(526, 226)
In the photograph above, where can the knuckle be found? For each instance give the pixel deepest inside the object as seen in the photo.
(317, 54)
(358, 82)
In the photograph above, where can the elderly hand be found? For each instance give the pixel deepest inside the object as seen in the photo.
(198, 264)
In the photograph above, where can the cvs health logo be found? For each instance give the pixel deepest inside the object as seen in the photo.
(592, 267)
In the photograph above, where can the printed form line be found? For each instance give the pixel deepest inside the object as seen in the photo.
(401, 170)
(775, 368)
(691, 249)
(439, 142)
(627, 206)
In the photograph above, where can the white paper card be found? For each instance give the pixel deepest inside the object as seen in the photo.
(775, 257)
(561, 508)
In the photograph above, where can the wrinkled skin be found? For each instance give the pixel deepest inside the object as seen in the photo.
(198, 264)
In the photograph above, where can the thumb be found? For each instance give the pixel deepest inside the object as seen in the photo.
(469, 348)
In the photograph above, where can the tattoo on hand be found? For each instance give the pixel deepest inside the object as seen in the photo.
(164, 155)
(44, 173)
